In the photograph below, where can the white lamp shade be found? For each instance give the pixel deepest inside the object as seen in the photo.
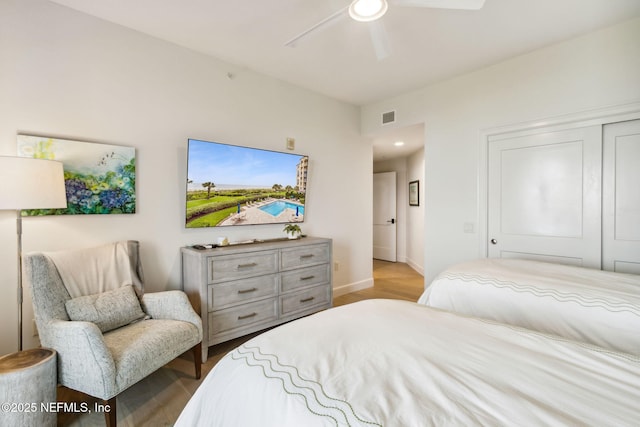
(27, 183)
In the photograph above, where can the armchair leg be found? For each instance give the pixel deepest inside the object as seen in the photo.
(197, 358)
(110, 415)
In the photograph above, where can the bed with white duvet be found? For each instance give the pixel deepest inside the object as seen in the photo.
(582, 304)
(398, 363)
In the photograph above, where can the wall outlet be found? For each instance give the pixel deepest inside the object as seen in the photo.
(336, 266)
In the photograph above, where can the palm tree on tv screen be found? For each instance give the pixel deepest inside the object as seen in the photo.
(208, 185)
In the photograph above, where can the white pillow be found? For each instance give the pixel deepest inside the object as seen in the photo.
(108, 310)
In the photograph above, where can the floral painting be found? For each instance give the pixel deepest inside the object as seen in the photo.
(99, 178)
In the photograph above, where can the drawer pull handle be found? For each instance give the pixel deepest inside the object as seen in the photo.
(247, 316)
(307, 299)
(251, 264)
(246, 291)
(306, 256)
(307, 277)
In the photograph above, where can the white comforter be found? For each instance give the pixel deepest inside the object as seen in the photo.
(397, 363)
(592, 306)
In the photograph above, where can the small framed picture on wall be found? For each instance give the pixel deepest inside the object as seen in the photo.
(414, 193)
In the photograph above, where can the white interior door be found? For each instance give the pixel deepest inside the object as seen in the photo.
(384, 216)
(544, 197)
(621, 197)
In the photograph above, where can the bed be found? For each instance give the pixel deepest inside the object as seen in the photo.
(582, 304)
(399, 363)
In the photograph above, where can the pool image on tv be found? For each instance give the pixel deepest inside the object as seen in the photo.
(235, 185)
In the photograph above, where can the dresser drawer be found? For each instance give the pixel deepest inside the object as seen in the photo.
(304, 255)
(303, 300)
(304, 277)
(243, 290)
(233, 267)
(227, 320)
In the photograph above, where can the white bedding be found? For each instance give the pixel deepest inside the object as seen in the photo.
(397, 363)
(592, 306)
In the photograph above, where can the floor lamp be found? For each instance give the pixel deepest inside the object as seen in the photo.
(27, 183)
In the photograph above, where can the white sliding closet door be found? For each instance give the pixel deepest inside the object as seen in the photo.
(544, 196)
(621, 197)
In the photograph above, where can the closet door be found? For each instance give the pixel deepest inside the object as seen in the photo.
(544, 196)
(621, 197)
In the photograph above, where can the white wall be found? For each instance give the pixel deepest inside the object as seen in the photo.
(415, 214)
(592, 71)
(70, 75)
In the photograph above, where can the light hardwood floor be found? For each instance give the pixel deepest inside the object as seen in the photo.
(158, 399)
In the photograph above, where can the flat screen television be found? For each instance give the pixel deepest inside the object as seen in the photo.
(231, 185)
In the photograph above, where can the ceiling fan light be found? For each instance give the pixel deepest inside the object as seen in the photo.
(367, 10)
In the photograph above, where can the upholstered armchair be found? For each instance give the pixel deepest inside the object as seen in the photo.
(90, 307)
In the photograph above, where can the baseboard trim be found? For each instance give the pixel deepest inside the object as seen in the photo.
(352, 287)
(416, 267)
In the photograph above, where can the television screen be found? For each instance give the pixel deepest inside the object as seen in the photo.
(234, 185)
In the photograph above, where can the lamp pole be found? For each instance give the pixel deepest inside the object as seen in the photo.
(20, 299)
(29, 183)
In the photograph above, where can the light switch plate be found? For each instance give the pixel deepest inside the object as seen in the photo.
(291, 144)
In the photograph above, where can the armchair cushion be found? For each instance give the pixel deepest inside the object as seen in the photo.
(108, 310)
(172, 305)
(143, 347)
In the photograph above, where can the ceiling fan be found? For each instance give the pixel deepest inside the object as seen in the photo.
(371, 11)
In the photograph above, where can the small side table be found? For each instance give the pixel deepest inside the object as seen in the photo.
(28, 381)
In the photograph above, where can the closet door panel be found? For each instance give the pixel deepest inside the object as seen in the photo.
(545, 196)
(621, 197)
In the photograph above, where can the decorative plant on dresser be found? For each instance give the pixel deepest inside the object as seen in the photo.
(240, 289)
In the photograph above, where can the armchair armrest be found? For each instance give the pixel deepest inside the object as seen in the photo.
(84, 361)
(173, 305)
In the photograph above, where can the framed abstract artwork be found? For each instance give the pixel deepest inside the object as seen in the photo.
(99, 178)
(414, 193)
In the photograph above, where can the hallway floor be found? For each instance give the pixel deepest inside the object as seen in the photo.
(393, 280)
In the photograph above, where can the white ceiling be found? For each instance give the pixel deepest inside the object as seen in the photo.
(426, 45)
(384, 147)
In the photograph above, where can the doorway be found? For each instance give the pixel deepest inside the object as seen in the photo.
(407, 162)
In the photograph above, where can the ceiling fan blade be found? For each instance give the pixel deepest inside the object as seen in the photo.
(380, 39)
(331, 19)
(442, 4)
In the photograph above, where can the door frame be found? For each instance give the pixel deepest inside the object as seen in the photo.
(601, 116)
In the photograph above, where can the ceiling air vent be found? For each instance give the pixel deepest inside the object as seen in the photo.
(389, 117)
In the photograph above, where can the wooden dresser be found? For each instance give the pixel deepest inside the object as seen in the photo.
(240, 289)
